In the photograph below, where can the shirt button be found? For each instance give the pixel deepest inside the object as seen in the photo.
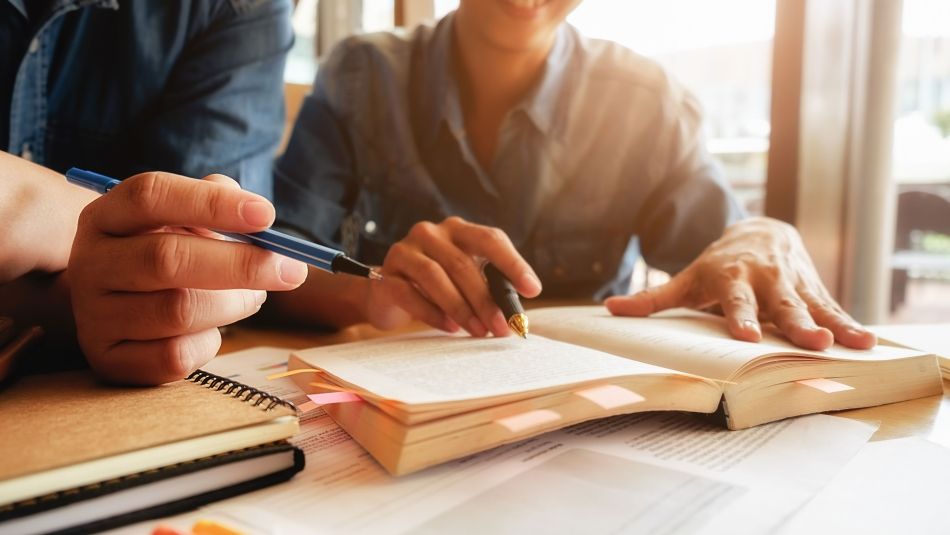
(370, 227)
(34, 45)
(26, 153)
(558, 271)
(597, 267)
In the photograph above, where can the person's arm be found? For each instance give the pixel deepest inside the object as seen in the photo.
(222, 108)
(754, 269)
(38, 213)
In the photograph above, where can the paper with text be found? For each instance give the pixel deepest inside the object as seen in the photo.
(436, 368)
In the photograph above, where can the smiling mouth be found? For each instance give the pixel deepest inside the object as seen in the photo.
(526, 6)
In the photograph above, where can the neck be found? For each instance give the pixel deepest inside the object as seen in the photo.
(491, 79)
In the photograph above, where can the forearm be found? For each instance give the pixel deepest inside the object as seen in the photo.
(39, 211)
(323, 300)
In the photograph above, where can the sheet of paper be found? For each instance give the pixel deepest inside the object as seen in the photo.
(686, 474)
(892, 486)
(435, 368)
(681, 340)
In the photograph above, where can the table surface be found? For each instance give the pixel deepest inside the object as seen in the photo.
(925, 417)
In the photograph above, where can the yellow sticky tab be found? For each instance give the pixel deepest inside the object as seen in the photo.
(210, 527)
(527, 420)
(610, 396)
(288, 373)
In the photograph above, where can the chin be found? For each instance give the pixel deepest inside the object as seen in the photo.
(516, 24)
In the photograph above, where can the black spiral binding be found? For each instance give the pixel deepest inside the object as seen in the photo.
(237, 390)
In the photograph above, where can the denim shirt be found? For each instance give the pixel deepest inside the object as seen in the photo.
(604, 157)
(124, 86)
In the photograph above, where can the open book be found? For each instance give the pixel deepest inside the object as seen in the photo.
(429, 397)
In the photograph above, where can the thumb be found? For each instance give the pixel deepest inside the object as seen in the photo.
(651, 300)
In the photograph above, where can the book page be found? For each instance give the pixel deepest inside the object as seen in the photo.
(683, 340)
(752, 480)
(434, 367)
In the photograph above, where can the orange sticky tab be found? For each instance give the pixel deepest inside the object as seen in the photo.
(610, 396)
(333, 397)
(210, 527)
(825, 385)
(527, 420)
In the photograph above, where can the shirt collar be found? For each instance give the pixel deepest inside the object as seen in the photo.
(541, 105)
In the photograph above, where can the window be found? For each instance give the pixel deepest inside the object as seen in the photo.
(921, 158)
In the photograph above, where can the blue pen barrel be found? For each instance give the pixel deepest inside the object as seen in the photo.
(284, 244)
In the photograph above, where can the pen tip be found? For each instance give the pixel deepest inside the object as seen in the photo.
(519, 324)
(375, 275)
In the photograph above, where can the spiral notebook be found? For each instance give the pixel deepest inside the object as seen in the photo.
(66, 438)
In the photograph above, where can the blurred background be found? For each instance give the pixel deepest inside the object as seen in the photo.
(833, 115)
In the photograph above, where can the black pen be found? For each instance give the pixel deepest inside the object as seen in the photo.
(506, 297)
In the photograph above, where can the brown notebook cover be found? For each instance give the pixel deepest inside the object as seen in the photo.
(58, 420)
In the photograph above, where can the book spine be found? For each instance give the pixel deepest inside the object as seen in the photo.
(239, 391)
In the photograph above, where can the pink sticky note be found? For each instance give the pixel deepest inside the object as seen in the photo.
(527, 420)
(610, 396)
(825, 385)
(333, 397)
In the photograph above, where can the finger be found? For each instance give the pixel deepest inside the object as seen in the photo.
(155, 362)
(168, 313)
(466, 275)
(154, 200)
(426, 273)
(651, 300)
(790, 315)
(845, 329)
(741, 310)
(162, 261)
(407, 297)
(493, 245)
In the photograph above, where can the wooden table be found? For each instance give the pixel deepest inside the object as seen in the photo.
(926, 417)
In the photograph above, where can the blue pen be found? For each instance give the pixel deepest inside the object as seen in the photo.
(316, 255)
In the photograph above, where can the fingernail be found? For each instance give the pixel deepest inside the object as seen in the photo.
(476, 328)
(531, 282)
(752, 325)
(259, 297)
(257, 213)
(292, 271)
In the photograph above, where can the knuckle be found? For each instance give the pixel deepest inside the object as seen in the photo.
(180, 309)
(454, 222)
(738, 299)
(461, 263)
(790, 303)
(423, 230)
(247, 266)
(732, 271)
(167, 257)
(396, 254)
(145, 192)
(429, 270)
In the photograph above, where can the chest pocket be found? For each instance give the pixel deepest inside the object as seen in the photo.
(579, 264)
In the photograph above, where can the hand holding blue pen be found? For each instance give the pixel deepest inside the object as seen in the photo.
(150, 286)
(316, 255)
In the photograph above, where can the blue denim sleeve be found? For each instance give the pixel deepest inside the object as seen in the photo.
(314, 180)
(223, 108)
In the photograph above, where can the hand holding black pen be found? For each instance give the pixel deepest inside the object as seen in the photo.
(434, 275)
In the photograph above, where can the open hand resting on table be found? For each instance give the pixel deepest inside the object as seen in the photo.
(434, 275)
(759, 268)
(148, 293)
